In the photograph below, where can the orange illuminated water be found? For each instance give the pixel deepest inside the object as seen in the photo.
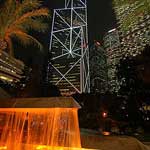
(39, 129)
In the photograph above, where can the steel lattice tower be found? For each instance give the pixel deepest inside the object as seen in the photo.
(69, 48)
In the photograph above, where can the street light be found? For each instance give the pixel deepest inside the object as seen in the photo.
(107, 126)
(104, 114)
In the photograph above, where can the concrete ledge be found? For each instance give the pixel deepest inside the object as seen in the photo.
(112, 142)
(48, 102)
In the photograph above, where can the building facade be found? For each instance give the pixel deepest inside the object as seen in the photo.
(98, 68)
(113, 54)
(12, 75)
(11, 69)
(69, 48)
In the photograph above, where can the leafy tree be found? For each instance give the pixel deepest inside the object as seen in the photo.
(133, 74)
(134, 78)
(89, 113)
(18, 19)
(133, 10)
(127, 77)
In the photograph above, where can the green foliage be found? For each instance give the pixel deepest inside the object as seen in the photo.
(133, 11)
(127, 77)
(17, 19)
(133, 75)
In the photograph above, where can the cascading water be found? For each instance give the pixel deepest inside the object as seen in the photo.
(39, 129)
(39, 124)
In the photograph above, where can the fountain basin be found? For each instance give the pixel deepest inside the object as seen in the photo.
(43, 147)
(39, 123)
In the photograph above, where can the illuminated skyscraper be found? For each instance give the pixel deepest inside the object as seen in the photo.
(113, 53)
(69, 48)
(98, 68)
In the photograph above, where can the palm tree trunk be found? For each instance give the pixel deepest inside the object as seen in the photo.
(3, 44)
(10, 47)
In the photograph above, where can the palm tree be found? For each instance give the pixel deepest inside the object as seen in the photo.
(17, 19)
(133, 10)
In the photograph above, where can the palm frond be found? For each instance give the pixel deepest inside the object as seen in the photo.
(43, 12)
(33, 24)
(9, 9)
(12, 11)
(26, 6)
(17, 20)
(10, 45)
(25, 38)
(5, 15)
